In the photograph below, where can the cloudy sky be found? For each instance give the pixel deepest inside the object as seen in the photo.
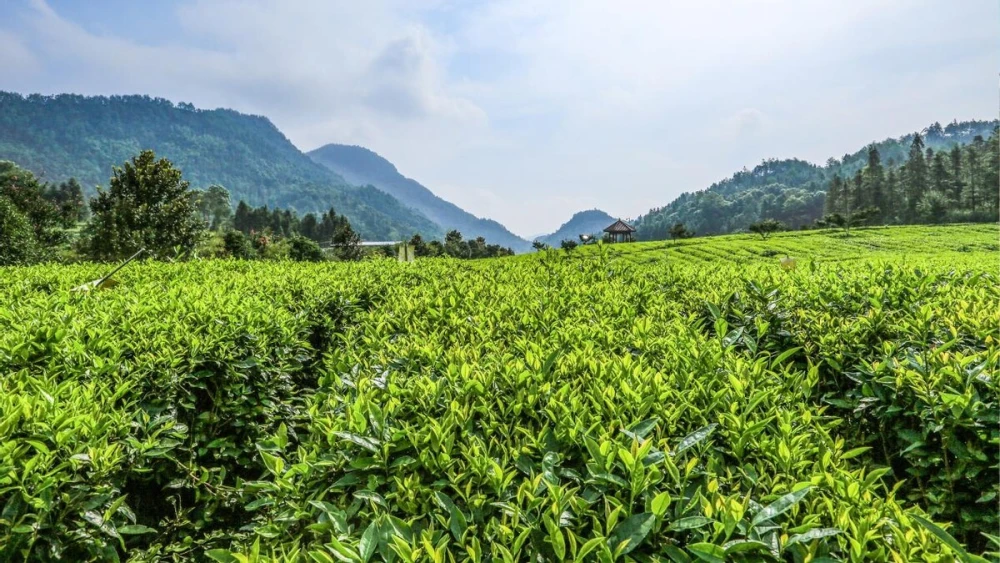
(526, 111)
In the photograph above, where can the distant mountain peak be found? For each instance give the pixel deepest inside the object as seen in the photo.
(363, 166)
(586, 222)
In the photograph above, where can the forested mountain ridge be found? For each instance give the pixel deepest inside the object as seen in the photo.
(71, 136)
(589, 222)
(790, 190)
(359, 165)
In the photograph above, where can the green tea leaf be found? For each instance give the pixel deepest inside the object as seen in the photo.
(633, 529)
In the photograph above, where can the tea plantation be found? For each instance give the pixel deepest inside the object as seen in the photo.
(667, 401)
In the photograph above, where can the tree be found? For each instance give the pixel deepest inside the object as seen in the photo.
(346, 243)
(835, 196)
(933, 208)
(309, 227)
(237, 245)
(680, 231)
(915, 177)
(419, 246)
(569, 245)
(940, 182)
(972, 193)
(766, 227)
(891, 198)
(242, 220)
(957, 184)
(302, 249)
(147, 205)
(213, 205)
(874, 180)
(68, 198)
(846, 222)
(539, 245)
(22, 189)
(17, 240)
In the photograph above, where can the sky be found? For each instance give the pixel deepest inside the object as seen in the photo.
(527, 111)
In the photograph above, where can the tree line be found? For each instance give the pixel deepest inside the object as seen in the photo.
(961, 184)
(148, 205)
(955, 180)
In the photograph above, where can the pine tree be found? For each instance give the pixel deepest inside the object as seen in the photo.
(957, 183)
(874, 183)
(940, 181)
(241, 220)
(891, 211)
(834, 196)
(972, 193)
(915, 177)
(858, 200)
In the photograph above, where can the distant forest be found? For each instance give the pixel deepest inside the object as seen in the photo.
(944, 174)
(82, 137)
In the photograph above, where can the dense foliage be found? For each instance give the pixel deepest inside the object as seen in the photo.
(614, 403)
(69, 136)
(146, 206)
(39, 203)
(961, 184)
(794, 191)
(361, 166)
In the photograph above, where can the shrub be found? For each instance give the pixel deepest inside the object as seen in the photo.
(237, 245)
(17, 240)
(302, 249)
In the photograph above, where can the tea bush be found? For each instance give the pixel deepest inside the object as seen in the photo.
(590, 406)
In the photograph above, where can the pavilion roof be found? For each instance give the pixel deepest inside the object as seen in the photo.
(619, 226)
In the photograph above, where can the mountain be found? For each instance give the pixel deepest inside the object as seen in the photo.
(361, 166)
(588, 222)
(64, 136)
(790, 190)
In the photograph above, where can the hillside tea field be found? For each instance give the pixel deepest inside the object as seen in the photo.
(687, 401)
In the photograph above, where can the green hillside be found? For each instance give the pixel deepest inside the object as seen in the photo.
(590, 222)
(362, 166)
(943, 242)
(689, 401)
(790, 190)
(64, 136)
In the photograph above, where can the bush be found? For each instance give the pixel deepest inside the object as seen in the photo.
(302, 249)
(237, 245)
(17, 240)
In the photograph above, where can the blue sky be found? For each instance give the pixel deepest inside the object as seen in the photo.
(526, 111)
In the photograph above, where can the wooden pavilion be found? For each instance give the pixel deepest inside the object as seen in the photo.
(620, 231)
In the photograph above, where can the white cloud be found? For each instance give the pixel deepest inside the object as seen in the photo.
(527, 111)
(15, 57)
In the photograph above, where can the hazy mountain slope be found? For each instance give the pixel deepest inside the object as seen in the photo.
(67, 136)
(790, 190)
(362, 166)
(588, 222)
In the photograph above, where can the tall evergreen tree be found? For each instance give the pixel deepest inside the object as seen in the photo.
(891, 200)
(972, 181)
(915, 178)
(940, 181)
(242, 218)
(858, 200)
(874, 183)
(957, 183)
